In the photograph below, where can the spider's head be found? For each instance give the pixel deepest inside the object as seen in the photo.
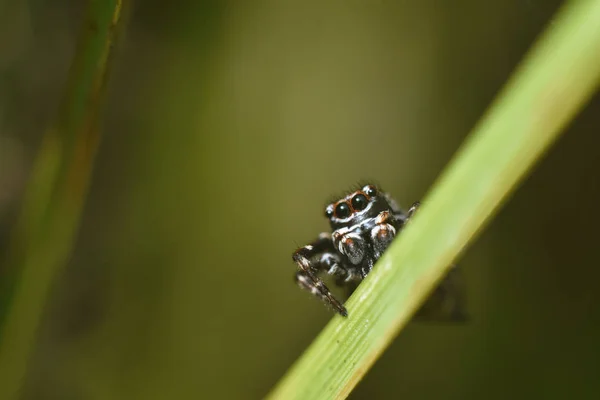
(356, 207)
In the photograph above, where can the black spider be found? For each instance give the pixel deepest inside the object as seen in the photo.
(363, 225)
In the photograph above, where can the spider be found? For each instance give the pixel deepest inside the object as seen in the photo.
(363, 225)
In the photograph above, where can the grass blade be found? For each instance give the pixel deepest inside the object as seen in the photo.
(555, 80)
(44, 234)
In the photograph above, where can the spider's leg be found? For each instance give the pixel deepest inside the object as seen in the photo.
(413, 209)
(382, 233)
(315, 285)
(351, 244)
(306, 277)
(402, 217)
(350, 280)
(331, 263)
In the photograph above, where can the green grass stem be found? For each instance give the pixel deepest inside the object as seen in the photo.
(550, 86)
(45, 231)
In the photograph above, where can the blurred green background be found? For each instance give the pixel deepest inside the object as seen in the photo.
(227, 127)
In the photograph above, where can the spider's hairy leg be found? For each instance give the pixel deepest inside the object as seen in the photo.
(351, 244)
(382, 233)
(316, 286)
(306, 276)
(403, 217)
(413, 209)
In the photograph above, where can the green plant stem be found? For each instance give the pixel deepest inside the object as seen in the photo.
(555, 80)
(44, 234)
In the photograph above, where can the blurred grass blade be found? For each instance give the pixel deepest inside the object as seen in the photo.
(44, 234)
(554, 81)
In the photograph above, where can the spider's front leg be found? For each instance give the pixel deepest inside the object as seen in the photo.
(384, 230)
(404, 218)
(306, 277)
(354, 247)
(413, 209)
(382, 233)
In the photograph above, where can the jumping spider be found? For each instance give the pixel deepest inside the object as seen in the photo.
(363, 225)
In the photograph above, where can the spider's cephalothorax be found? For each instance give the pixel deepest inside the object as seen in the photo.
(363, 225)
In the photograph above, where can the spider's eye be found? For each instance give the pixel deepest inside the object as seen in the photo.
(370, 191)
(329, 212)
(342, 210)
(359, 202)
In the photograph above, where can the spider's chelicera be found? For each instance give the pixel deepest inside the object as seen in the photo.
(363, 225)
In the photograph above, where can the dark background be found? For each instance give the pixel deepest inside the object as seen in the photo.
(227, 126)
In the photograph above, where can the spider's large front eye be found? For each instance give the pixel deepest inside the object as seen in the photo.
(359, 202)
(342, 210)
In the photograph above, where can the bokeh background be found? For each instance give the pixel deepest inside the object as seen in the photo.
(226, 128)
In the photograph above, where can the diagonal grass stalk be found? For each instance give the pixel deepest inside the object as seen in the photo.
(551, 85)
(54, 198)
